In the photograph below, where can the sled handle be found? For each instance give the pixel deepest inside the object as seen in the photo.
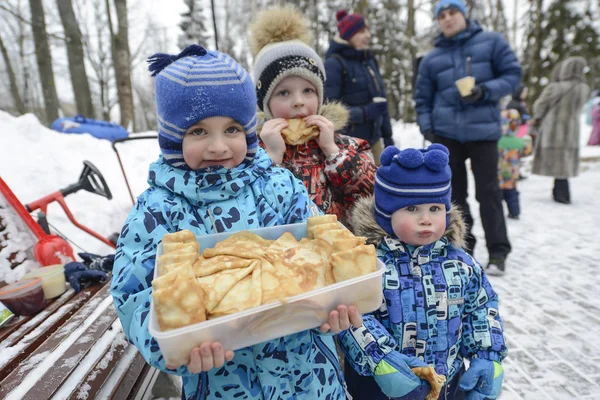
(91, 180)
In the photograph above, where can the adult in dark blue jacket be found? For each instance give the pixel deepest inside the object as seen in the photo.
(469, 126)
(353, 78)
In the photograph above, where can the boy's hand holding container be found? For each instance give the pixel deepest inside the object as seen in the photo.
(341, 319)
(205, 357)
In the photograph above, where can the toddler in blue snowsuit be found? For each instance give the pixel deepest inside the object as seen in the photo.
(439, 306)
(212, 177)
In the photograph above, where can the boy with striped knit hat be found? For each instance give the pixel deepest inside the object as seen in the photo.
(439, 307)
(212, 177)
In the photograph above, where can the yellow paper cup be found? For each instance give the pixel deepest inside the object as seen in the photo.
(465, 85)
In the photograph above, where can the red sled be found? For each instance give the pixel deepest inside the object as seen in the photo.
(52, 249)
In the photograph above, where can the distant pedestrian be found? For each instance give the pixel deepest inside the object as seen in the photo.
(353, 77)
(468, 122)
(557, 113)
(519, 102)
(595, 112)
(511, 149)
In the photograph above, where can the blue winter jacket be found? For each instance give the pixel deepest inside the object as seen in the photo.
(355, 80)
(438, 306)
(440, 108)
(298, 366)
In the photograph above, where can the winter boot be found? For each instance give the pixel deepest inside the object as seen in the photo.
(560, 192)
(496, 266)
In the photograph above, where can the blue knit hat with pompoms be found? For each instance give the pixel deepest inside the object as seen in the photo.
(411, 177)
(197, 84)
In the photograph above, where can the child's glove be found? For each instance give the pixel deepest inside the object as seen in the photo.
(482, 380)
(101, 263)
(394, 377)
(374, 110)
(78, 275)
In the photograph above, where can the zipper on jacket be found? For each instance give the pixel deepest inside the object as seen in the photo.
(331, 357)
(372, 73)
(201, 388)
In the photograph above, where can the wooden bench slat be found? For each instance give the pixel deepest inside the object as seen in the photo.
(54, 341)
(28, 338)
(99, 374)
(64, 366)
(144, 383)
(128, 380)
(52, 355)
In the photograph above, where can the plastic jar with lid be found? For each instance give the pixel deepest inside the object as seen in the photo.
(53, 279)
(24, 297)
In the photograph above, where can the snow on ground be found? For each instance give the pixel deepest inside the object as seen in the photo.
(548, 295)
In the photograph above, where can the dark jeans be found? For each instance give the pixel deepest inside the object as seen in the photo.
(365, 388)
(484, 163)
(511, 196)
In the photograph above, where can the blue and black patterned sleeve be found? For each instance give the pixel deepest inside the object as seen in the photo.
(133, 271)
(288, 195)
(483, 334)
(366, 346)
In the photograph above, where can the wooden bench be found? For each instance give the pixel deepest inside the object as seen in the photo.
(73, 349)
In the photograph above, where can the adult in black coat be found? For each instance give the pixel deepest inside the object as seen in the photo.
(353, 78)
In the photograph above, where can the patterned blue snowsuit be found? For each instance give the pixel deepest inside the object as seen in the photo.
(438, 306)
(298, 366)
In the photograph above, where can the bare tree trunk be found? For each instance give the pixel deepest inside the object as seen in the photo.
(79, 78)
(362, 7)
(13, 80)
(536, 59)
(44, 59)
(121, 61)
(214, 18)
(515, 22)
(409, 110)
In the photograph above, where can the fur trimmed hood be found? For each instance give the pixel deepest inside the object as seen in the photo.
(333, 111)
(364, 224)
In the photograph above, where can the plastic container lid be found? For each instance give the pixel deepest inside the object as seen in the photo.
(45, 271)
(53, 279)
(20, 288)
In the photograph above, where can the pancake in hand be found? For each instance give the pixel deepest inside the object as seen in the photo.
(298, 133)
(178, 299)
(435, 381)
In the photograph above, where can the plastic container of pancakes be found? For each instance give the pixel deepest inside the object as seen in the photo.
(269, 321)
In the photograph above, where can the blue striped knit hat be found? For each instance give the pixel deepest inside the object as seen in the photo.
(411, 177)
(197, 84)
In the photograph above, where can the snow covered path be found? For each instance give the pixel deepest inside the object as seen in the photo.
(549, 295)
